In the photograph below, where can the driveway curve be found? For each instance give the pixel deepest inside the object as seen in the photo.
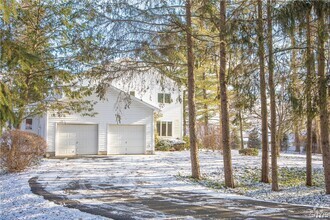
(147, 187)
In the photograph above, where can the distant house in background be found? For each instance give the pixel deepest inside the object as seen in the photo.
(154, 106)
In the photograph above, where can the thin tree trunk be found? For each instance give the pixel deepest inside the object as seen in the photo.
(219, 106)
(297, 139)
(195, 169)
(272, 98)
(241, 129)
(263, 99)
(309, 105)
(318, 136)
(229, 180)
(295, 88)
(323, 100)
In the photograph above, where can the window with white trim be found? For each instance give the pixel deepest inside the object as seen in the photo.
(164, 98)
(164, 128)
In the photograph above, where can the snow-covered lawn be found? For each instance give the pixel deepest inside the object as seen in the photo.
(121, 181)
(247, 172)
(18, 202)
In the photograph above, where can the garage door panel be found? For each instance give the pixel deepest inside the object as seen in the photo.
(75, 139)
(126, 139)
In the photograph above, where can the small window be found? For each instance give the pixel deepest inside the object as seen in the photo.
(132, 93)
(158, 128)
(28, 124)
(164, 128)
(160, 97)
(164, 98)
(169, 128)
(167, 98)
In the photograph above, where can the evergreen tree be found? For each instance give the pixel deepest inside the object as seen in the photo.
(43, 53)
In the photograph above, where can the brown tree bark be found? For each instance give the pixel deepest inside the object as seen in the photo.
(263, 99)
(229, 180)
(195, 169)
(318, 136)
(323, 99)
(297, 139)
(295, 88)
(309, 104)
(272, 98)
(220, 147)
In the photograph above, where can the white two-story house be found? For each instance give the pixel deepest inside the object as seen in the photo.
(154, 106)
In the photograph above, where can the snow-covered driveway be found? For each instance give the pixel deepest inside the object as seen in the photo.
(135, 187)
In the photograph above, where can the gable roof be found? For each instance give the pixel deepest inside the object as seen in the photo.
(136, 99)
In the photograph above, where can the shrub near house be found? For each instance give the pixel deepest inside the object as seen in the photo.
(249, 152)
(20, 149)
(170, 145)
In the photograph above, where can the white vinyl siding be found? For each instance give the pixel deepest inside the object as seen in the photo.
(148, 88)
(36, 125)
(136, 114)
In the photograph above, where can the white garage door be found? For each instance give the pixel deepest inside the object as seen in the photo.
(126, 139)
(75, 139)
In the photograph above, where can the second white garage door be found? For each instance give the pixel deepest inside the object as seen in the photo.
(126, 139)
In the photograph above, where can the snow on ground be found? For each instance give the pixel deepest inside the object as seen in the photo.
(18, 202)
(86, 178)
(247, 171)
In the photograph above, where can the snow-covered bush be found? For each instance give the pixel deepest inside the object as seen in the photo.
(170, 144)
(249, 152)
(20, 149)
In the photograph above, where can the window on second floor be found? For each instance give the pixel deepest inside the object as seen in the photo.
(164, 98)
(164, 128)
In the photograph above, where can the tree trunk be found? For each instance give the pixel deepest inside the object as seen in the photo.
(297, 139)
(263, 99)
(318, 136)
(229, 180)
(241, 129)
(272, 98)
(295, 88)
(220, 147)
(323, 99)
(195, 169)
(309, 105)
